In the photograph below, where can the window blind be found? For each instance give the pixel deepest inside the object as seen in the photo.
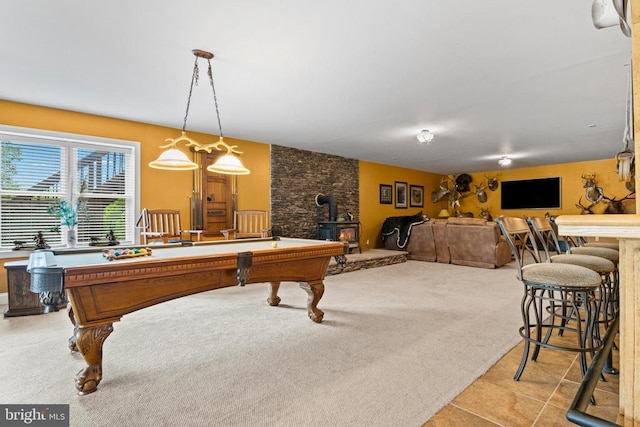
(37, 172)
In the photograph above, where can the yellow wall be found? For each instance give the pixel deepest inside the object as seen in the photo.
(159, 189)
(571, 191)
(372, 213)
(254, 190)
(162, 189)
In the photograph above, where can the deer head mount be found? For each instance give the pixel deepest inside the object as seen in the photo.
(452, 188)
(485, 214)
(492, 183)
(593, 193)
(615, 206)
(443, 191)
(585, 210)
(448, 187)
(480, 193)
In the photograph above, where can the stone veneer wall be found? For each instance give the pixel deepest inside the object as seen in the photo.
(297, 177)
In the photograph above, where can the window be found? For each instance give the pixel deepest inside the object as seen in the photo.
(39, 169)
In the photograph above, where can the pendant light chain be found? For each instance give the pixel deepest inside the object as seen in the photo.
(194, 79)
(215, 98)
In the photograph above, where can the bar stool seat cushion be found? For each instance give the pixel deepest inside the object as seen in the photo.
(610, 254)
(614, 246)
(562, 275)
(595, 263)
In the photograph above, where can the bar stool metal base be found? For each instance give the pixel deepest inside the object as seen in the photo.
(563, 305)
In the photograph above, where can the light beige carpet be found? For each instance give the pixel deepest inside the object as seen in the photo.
(397, 344)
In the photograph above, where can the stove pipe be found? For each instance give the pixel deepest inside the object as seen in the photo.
(321, 199)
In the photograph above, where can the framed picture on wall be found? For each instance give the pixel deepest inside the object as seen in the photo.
(386, 194)
(416, 196)
(401, 194)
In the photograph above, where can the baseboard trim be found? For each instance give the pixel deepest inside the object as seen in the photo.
(4, 298)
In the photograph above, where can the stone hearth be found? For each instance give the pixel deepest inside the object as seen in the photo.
(368, 259)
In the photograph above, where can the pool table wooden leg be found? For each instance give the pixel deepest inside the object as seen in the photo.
(89, 341)
(72, 338)
(315, 290)
(274, 299)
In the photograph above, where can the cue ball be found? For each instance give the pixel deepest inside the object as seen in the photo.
(274, 244)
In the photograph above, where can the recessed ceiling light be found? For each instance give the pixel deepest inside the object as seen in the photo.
(592, 125)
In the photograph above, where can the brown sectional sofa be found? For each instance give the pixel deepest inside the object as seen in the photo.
(477, 243)
(440, 240)
(473, 242)
(421, 246)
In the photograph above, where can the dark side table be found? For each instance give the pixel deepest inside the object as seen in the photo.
(22, 302)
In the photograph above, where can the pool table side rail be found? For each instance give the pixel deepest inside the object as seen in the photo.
(149, 267)
(104, 293)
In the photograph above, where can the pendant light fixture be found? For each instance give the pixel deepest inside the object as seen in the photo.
(174, 159)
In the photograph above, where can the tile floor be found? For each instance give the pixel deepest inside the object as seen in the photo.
(541, 398)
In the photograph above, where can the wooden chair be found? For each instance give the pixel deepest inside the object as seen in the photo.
(248, 224)
(163, 224)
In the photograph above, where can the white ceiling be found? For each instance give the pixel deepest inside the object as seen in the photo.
(355, 78)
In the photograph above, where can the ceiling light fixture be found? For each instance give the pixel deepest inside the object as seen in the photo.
(174, 159)
(425, 137)
(504, 161)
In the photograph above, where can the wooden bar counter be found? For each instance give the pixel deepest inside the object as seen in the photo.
(626, 228)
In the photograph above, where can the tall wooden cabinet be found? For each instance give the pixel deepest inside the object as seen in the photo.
(216, 197)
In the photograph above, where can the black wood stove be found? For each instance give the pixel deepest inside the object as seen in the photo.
(339, 231)
(342, 231)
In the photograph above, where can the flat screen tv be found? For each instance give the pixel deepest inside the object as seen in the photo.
(539, 193)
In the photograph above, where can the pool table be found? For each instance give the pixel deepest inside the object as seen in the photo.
(101, 291)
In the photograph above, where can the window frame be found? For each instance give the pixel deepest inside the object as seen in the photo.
(70, 140)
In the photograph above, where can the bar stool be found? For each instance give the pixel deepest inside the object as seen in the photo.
(564, 288)
(580, 246)
(603, 266)
(546, 235)
(614, 246)
(612, 255)
(580, 242)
